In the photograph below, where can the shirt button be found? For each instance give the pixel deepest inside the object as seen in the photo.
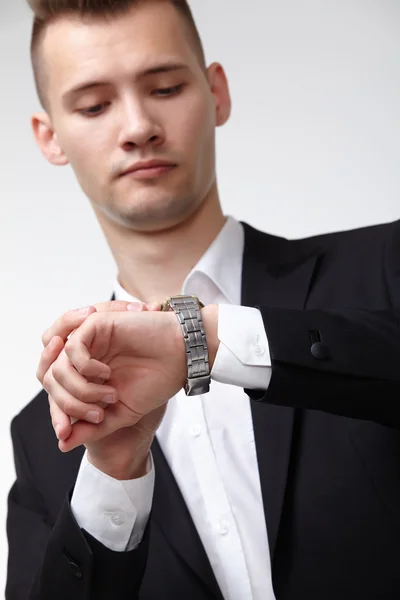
(259, 349)
(195, 431)
(118, 519)
(223, 527)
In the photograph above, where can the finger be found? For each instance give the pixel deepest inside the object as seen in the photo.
(66, 324)
(117, 416)
(153, 306)
(114, 306)
(89, 368)
(140, 307)
(48, 356)
(61, 422)
(77, 350)
(75, 384)
(73, 407)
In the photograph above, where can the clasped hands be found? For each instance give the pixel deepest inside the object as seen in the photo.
(110, 370)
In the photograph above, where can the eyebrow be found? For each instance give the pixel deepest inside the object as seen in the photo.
(155, 70)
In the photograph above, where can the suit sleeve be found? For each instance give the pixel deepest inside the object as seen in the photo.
(48, 561)
(344, 362)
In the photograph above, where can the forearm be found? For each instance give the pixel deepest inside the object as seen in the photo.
(357, 373)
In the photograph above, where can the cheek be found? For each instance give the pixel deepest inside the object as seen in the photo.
(84, 139)
(193, 128)
(199, 123)
(85, 152)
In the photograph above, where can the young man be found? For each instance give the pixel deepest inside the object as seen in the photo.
(282, 480)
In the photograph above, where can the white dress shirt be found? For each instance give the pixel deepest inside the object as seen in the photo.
(208, 442)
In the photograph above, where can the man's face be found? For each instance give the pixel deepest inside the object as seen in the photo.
(151, 100)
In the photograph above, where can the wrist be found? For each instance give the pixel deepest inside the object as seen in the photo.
(123, 461)
(121, 471)
(210, 320)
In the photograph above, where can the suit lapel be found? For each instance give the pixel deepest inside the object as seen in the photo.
(274, 274)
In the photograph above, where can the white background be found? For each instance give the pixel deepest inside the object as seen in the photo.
(313, 146)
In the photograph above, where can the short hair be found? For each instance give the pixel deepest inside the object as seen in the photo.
(47, 11)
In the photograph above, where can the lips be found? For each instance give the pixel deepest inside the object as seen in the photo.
(155, 166)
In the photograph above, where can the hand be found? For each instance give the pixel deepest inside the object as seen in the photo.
(145, 354)
(53, 340)
(136, 356)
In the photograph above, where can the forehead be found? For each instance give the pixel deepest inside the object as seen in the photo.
(75, 49)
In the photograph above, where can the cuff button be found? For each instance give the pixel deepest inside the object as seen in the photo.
(319, 351)
(259, 349)
(118, 518)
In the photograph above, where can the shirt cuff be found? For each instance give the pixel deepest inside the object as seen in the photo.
(114, 512)
(243, 358)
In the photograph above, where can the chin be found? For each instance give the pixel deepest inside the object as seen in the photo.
(152, 215)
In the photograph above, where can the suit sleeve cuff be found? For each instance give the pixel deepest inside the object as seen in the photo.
(114, 512)
(243, 357)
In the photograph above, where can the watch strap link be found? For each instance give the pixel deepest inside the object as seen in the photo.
(187, 310)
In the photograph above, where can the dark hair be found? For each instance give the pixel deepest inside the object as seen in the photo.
(46, 11)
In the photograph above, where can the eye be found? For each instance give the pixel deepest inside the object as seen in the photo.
(92, 111)
(170, 91)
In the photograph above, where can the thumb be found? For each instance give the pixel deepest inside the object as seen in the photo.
(140, 307)
(122, 306)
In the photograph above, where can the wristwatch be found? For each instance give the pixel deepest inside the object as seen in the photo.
(187, 310)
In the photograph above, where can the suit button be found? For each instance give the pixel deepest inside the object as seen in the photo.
(319, 351)
(74, 567)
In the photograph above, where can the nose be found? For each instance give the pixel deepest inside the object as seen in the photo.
(139, 127)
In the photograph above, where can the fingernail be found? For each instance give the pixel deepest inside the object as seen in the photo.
(57, 430)
(109, 399)
(135, 306)
(93, 416)
(83, 311)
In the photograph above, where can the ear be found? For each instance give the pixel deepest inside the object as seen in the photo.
(220, 90)
(47, 140)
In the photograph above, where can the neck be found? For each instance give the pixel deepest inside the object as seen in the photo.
(152, 266)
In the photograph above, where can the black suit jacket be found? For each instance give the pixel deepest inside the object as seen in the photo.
(327, 434)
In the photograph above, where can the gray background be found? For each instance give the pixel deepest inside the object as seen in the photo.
(312, 146)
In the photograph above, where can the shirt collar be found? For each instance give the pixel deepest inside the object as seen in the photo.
(221, 264)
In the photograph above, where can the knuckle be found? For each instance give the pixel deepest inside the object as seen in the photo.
(83, 369)
(79, 393)
(56, 371)
(92, 318)
(45, 338)
(69, 407)
(47, 381)
(85, 393)
(108, 305)
(68, 345)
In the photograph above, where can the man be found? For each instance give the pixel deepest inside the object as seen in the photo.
(283, 480)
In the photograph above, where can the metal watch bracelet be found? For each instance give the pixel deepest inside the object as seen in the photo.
(187, 310)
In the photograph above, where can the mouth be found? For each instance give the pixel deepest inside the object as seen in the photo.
(151, 170)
